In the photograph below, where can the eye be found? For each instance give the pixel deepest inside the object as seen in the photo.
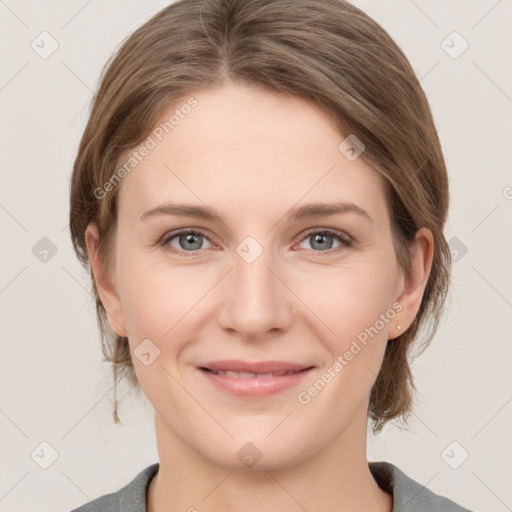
(322, 240)
(187, 241)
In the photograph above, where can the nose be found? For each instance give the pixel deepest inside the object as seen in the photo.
(256, 299)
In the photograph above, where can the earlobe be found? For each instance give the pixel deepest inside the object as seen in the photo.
(414, 283)
(104, 282)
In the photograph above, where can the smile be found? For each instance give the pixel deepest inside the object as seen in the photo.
(250, 375)
(265, 379)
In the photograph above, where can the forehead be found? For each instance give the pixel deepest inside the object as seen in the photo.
(247, 148)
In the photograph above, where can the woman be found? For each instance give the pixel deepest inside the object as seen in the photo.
(260, 194)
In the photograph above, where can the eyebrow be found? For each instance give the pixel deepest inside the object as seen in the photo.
(309, 210)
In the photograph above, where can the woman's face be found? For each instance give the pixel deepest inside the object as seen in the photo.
(258, 282)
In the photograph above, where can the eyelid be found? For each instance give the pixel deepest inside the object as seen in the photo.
(164, 241)
(345, 237)
(346, 240)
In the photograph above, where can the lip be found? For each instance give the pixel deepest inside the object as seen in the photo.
(260, 386)
(256, 367)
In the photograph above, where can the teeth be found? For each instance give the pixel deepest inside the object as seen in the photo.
(250, 375)
(241, 375)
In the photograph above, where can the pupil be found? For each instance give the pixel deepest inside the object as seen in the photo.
(318, 238)
(189, 237)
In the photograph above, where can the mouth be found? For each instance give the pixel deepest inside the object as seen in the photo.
(251, 375)
(254, 380)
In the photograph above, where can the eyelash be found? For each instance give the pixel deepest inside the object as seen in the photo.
(341, 237)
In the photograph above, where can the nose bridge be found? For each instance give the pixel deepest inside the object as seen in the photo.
(255, 301)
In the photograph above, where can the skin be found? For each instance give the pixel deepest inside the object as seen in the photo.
(251, 155)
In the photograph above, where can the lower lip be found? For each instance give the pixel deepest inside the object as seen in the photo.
(255, 387)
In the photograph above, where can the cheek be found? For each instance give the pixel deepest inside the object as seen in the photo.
(357, 311)
(164, 300)
(159, 303)
(355, 305)
(157, 299)
(350, 298)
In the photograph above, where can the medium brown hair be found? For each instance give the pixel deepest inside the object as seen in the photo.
(324, 51)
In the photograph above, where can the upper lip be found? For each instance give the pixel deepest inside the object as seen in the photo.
(254, 367)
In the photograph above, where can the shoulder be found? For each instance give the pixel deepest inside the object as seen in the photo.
(407, 493)
(130, 498)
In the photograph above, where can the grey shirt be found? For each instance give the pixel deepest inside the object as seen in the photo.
(408, 495)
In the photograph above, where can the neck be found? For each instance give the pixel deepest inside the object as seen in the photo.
(337, 477)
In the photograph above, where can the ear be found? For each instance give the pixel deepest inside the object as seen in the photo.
(104, 283)
(413, 284)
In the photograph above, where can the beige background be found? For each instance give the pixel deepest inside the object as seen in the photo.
(54, 387)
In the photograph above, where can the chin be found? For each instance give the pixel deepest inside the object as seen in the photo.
(256, 452)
